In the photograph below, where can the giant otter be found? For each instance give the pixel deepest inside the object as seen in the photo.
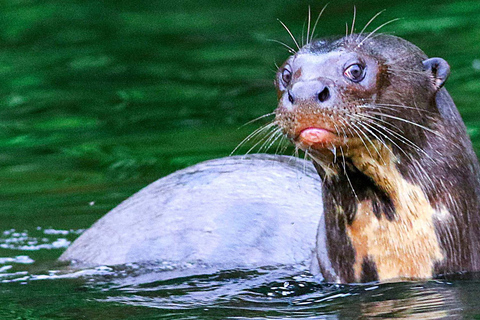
(400, 178)
(398, 173)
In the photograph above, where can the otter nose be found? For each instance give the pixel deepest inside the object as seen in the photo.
(310, 90)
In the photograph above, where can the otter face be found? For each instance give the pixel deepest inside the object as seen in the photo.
(320, 94)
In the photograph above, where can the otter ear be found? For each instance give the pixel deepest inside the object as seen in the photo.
(440, 70)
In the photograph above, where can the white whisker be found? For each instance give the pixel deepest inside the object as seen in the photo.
(407, 121)
(370, 125)
(393, 107)
(262, 140)
(316, 22)
(256, 119)
(305, 156)
(398, 135)
(255, 133)
(309, 22)
(290, 49)
(370, 140)
(346, 174)
(369, 22)
(282, 146)
(373, 32)
(354, 18)
(290, 33)
(274, 136)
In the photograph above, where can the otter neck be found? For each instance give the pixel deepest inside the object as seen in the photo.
(379, 225)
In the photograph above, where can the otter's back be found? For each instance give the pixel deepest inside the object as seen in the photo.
(252, 211)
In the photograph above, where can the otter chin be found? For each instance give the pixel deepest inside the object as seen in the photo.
(400, 178)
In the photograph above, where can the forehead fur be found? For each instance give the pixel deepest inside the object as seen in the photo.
(389, 49)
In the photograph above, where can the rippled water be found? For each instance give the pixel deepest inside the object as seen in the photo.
(198, 292)
(100, 98)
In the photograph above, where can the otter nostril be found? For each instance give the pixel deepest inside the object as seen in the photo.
(324, 95)
(290, 98)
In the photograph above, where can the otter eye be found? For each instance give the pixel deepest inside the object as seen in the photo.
(286, 76)
(355, 72)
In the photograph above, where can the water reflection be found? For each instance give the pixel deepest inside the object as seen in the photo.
(200, 291)
(413, 302)
(289, 293)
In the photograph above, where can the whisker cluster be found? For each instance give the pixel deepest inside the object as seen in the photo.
(264, 137)
(349, 31)
(290, 33)
(306, 39)
(370, 34)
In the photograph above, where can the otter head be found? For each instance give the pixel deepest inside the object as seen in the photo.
(372, 114)
(359, 95)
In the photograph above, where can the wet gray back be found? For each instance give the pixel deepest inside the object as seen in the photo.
(234, 212)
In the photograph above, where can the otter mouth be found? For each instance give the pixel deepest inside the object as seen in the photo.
(317, 137)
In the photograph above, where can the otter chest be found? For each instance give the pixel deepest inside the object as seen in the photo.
(402, 246)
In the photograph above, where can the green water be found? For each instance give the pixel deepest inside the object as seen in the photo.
(100, 98)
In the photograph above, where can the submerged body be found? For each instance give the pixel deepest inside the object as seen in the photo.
(233, 212)
(400, 189)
